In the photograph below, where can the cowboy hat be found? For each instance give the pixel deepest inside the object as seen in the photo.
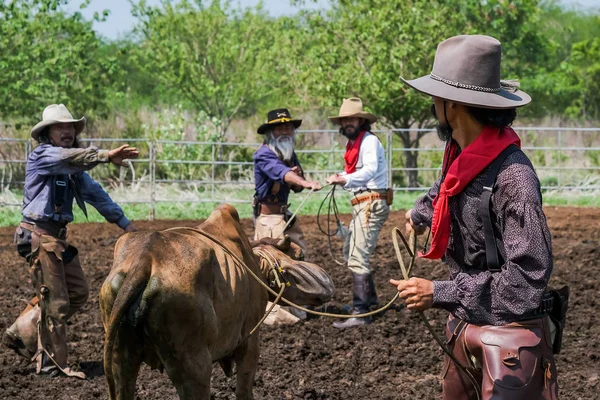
(278, 117)
(466, 70)
(353, 107)
(56, 114)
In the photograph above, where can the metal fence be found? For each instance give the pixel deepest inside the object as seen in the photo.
(564, 158)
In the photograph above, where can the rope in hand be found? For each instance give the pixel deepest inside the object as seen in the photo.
(331, 206)
(411, 247)
(296, 212)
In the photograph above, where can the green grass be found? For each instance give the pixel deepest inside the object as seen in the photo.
(10, 216)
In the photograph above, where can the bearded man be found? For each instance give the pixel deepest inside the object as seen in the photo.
(365, 177)
(276, 172)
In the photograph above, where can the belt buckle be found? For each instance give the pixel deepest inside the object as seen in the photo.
(62, 233)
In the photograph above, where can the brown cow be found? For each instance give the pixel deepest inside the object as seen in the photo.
(177, 300)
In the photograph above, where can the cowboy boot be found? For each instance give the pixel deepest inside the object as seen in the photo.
(360, 289)
(373, 301)
(22, 334)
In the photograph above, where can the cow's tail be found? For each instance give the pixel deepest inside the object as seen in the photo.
(133, 284)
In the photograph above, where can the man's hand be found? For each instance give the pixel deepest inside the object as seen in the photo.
(336, 179)
(410, 226)
(416, 292)
(314, 186)
(116, 156)
(131, 228)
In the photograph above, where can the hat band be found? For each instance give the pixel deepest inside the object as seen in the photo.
(464, 86)
(275, 121)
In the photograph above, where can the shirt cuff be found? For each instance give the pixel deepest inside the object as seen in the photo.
(123, 222)
(103, 156)
(284, 173)
(348, 184)
(444, 295)
(419, 219)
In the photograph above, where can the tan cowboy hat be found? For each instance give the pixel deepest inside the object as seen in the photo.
(56, 114)
(466, 70)
(278, 117)
(353, 107)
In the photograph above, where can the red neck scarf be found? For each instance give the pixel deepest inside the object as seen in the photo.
(352, 151)
(461, 170)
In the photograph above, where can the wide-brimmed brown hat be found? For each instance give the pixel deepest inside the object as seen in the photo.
(466, 70)
(353, 107)
(57, 114)
(278, 117)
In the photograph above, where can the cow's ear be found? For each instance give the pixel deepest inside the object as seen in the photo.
(296, 252)
(284, 243)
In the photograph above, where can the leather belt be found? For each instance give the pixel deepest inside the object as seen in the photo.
(368, 197)
(544, 308)
(269, 209)
(56, 230)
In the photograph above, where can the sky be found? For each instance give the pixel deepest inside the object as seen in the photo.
(121, 21)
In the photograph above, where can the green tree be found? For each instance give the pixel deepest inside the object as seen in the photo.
(362, 47)
(48, 56)
(212, 54)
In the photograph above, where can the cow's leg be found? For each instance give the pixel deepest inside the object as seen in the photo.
(127, 359)
(190, 372)
(246, 359)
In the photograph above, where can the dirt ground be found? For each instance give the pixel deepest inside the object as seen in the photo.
(393, 358)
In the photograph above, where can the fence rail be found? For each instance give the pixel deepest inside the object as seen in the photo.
(565, 159)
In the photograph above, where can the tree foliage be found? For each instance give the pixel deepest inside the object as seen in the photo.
(48, 56)
(212, 53)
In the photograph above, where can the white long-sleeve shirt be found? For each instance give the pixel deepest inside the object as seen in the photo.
(371, 169)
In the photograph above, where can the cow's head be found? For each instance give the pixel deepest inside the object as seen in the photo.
(309, 284)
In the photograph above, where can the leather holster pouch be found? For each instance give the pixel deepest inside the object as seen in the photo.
(389, 196)
(255, 207)
(23, 241)
(287, 217)
(558, 315)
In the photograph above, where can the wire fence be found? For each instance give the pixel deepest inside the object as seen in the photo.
(170, 171)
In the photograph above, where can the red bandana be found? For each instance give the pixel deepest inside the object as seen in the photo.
(461, 171)
(352, 151)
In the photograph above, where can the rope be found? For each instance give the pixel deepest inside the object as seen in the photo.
(411, 248)
(274, 293)
(331, 206)
(296, 212)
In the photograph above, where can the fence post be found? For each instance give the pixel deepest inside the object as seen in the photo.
(389, 136)
(152, 180)
(559, 163)
(212, 181)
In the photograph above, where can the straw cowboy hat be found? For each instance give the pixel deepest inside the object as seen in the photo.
(466, 70)
(353, 107)
(278, 117)
(57, 114)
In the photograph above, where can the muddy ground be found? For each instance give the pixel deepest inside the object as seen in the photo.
(393, 358)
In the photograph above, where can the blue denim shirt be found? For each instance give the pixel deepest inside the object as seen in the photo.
(269, 169)
(46, 162)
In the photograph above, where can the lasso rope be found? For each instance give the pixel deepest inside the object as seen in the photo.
(274, 293)
(411, 247)
(331, 206)
(296, 212)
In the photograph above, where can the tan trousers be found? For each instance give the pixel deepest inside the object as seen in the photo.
(270, 226)
(367, 221)
(61, 289)
(512, 361)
